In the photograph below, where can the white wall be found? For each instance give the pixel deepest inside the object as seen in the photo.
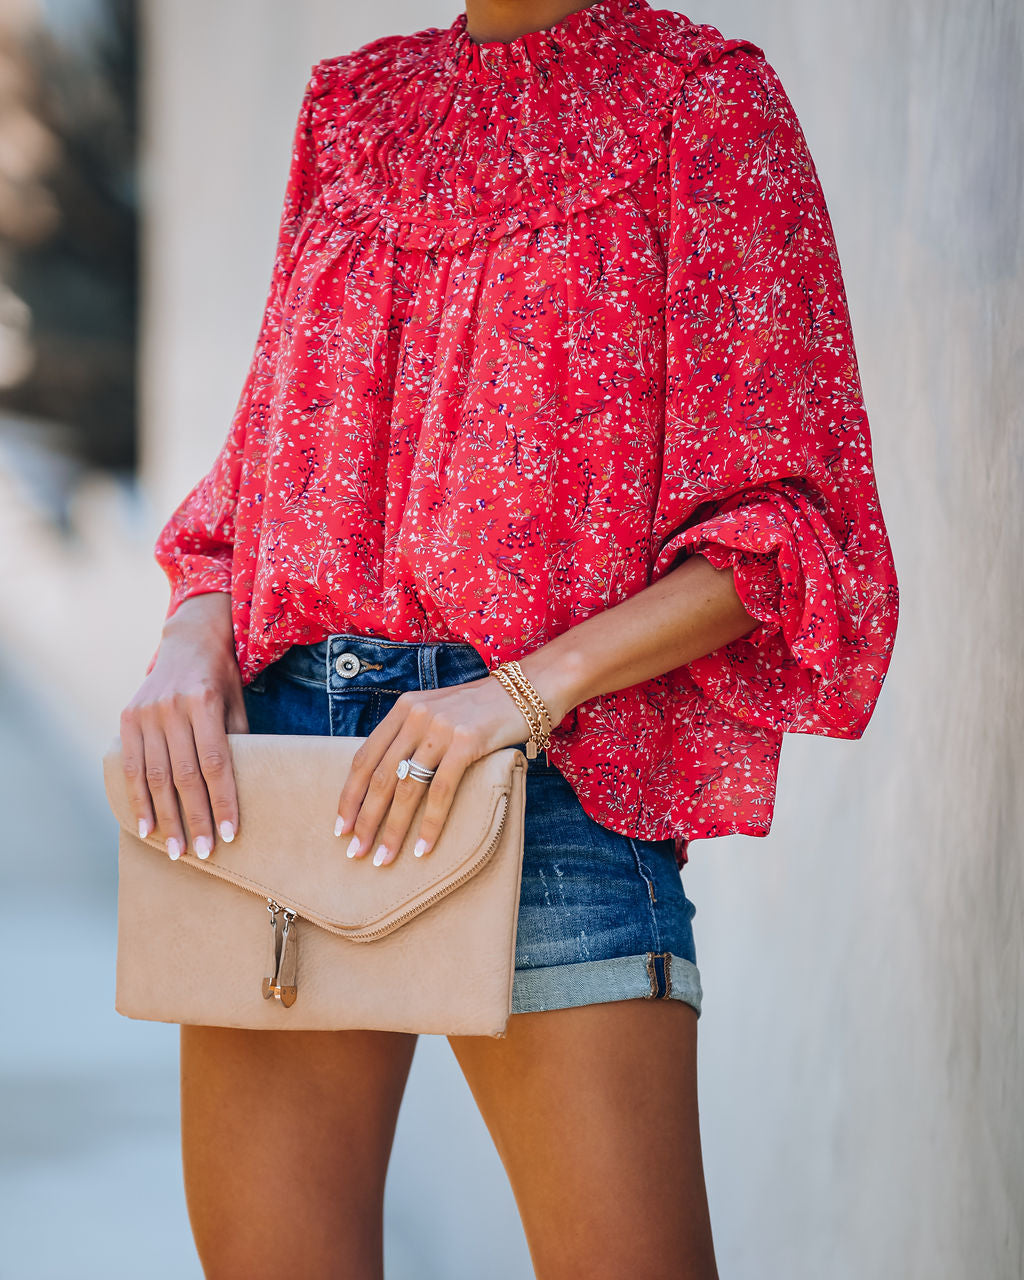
(861, 1047)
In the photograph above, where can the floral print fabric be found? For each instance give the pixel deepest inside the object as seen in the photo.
(546, 317)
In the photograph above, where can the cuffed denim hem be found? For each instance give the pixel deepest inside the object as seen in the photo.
(655, 975)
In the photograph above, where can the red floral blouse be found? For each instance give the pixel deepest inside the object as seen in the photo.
(546, 317)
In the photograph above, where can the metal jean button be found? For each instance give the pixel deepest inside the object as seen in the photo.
(347, 665)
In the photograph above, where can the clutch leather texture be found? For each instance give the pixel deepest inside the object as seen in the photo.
(279, 929)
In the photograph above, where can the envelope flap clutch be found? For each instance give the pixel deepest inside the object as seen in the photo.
(286, 850)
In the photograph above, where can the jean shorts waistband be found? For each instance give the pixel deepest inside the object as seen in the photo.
(348, 663)
(345, 661)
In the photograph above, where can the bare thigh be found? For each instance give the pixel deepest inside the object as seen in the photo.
(594, 1114)
(286, 1137)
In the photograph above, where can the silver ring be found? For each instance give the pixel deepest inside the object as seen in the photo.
(413, 769)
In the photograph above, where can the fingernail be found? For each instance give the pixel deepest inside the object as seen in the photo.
(380, 855)
(143, 828)
(173, 849)
(420, 847)
(340, 825)
(203, 846)
(227, 831)
(353, 847)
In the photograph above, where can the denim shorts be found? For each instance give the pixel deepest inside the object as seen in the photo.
(602, 916)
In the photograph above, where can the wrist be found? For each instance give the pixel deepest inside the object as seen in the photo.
(555, 672)
(207, 614)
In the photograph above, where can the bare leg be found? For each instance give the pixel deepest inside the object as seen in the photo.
(286, 1138)
(594, 1114)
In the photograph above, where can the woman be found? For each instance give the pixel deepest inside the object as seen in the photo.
(555, 365)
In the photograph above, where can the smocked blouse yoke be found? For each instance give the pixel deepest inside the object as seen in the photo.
(546, 317)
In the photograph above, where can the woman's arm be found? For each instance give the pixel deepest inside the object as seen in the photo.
(174, 729)
(688, 612)
(195, 546)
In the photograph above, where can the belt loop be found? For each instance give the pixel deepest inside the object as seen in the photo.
(328, 662)
(427, 663)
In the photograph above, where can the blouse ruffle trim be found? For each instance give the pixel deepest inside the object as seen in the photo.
(442, 138)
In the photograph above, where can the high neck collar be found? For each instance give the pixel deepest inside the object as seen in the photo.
(445, 139)
(535, 51)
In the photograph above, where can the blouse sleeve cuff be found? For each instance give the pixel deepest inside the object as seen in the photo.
(757, 582)
(756, 574)
(193, 575)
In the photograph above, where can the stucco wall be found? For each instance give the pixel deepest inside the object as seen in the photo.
(861, 1049)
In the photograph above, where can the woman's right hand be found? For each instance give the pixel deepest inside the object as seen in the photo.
(174, 730)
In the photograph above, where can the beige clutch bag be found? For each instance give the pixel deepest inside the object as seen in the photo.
(279, 929)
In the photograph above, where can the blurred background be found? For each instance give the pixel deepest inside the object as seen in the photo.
(861, 1049)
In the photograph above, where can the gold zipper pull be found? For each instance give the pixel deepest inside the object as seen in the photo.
(286, 988)
(273, 950)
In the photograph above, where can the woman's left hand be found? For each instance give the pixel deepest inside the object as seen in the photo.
(444, 729)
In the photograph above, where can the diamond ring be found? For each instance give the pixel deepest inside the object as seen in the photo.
(411, 768)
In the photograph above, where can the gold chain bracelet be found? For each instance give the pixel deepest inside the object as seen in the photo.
(525, 706)
(528, 688)
(529, 702)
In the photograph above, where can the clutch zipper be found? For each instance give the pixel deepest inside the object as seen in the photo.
(442, 893)
(282, 960)
(284, 937)
(273, 949)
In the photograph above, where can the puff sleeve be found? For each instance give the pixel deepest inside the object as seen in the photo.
(194, 548)
(767, 463)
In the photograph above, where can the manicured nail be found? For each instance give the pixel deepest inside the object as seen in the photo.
(340, 825)
(143, 828)
(420, 847)
(203, 846)
(227, 831)
(173, 848)
(353, 847)
(380, 855)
